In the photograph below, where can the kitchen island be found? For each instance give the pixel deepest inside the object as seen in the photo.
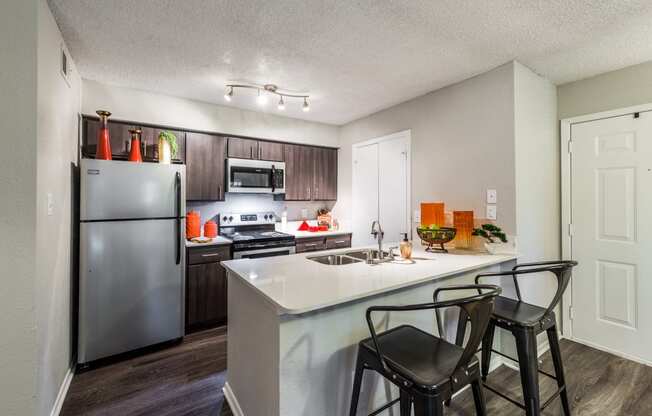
(294, 325)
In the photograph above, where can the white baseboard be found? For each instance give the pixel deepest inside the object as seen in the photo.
(232, 400)
(614, 352)
(63, 391)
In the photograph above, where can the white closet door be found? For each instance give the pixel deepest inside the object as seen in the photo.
(612, 240)
(393, 179)
(365, 193)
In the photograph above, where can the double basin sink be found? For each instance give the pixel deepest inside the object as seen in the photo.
(369, 256)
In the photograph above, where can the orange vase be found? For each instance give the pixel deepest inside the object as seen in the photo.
(432, 213)
(210, 229)
(193, 226)
(134, 149)
(103, 139)
(463, 222)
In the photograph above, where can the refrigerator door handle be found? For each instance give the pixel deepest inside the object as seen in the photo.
(177, 189)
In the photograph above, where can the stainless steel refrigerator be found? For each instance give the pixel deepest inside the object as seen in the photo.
(132, 256)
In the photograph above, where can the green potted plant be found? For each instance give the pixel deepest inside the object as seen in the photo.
(495, 239)
(167, 147)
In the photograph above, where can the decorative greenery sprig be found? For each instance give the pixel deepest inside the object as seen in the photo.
(172, 141)
(489, 232)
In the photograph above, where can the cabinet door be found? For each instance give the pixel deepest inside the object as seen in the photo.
(205, 155)
(298, 172)
(243, 148)
(325, 174)
(152, 143)
(119, 138)
(271, 151)
(206, 295)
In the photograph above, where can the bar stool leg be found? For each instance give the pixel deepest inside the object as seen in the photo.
(487, 345)
(406, 404)
(357, 383)
(428, 406)
(478, 398)
(553, 340)
(526, 345)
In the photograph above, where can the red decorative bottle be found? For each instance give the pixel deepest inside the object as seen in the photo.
(134, 150)
(103, 140)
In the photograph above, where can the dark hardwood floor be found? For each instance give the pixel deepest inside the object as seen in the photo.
(187, 379)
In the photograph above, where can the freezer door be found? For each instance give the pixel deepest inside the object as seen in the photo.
(119, 190)
(131, 286)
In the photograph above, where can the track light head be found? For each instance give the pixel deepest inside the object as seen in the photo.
(306, 106)
(261, 99)
(229, 94)
(281, 104)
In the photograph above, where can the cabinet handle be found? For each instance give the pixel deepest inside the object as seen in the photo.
(210, 255)
(340, 241)
(251, 152)
(310, 244)
(219, 191)
(309, 196)
(259, 152)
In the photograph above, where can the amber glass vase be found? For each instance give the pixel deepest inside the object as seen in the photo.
(463, 222)
(433, 213)
(103, 140)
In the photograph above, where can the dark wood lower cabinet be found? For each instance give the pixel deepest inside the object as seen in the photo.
(206, 288)
(304, 245)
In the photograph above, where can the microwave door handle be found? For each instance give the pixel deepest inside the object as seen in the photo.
(273, 178)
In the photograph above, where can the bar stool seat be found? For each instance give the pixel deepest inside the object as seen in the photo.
(517, 312)
(425, 360)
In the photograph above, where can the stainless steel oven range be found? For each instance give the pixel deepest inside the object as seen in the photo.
(254, 236)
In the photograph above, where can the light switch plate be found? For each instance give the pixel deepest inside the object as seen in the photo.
(492, 196)
(491, 212)
(417, 216)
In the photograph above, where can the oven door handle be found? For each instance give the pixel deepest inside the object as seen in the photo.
(240, 254)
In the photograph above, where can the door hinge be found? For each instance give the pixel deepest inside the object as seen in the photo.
(571, 230)
(571, 315)
(637, 115)
(570, 146)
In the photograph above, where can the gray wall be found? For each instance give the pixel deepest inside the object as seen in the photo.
(59, 103)
(462, 144)
(609, 91)
(18, 42)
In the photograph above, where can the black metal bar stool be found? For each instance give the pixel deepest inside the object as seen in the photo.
(525, 321)
(427, 369)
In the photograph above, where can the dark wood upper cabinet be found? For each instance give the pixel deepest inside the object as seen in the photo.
(243, 148)
(121, 140)
(298, 172)
(325, 174)
(271, 151)
(205, 167)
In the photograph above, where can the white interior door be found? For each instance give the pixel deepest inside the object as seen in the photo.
(365, 193)
(611, 174)
(381, 190)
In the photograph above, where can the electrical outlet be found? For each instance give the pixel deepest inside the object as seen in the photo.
(417, 216)
(50, 204)
(491, 212)
(492, 196)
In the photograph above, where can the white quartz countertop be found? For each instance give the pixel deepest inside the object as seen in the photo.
(217, 241)
(292, 226)
(295, 284)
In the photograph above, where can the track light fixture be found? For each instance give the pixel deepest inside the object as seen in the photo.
(229, 94)
(263, 91)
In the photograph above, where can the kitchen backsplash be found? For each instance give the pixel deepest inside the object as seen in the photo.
(258, 203)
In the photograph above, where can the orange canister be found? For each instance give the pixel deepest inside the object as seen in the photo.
(193, 225)
(210, 229)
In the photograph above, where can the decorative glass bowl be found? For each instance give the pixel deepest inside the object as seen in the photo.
(435, 239)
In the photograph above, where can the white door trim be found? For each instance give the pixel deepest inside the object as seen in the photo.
(566, 201)
(407, 134)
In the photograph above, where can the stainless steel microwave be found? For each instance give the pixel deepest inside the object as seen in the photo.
(255, 176)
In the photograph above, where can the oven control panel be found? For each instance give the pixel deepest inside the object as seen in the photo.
(234, 219)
